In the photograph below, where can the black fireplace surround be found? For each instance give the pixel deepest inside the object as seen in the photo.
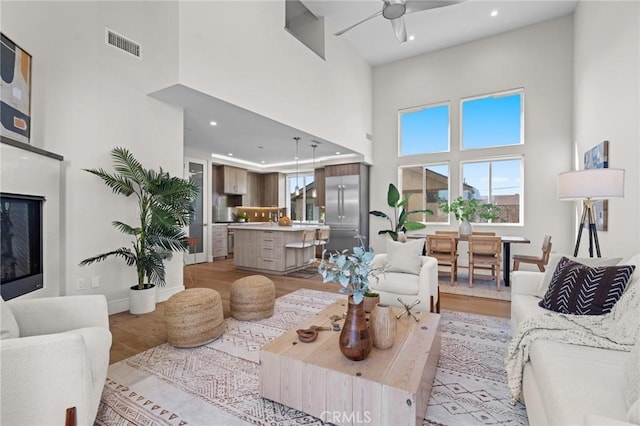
(21, 270)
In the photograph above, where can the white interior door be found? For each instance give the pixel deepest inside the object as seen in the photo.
(197, 171)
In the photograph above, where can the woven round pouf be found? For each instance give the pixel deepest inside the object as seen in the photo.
(194, 317)
(252, 298)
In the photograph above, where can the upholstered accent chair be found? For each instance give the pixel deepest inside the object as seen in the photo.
(55, 356)
(404, 273)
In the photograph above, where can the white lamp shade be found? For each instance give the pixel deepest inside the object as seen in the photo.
(591, 183)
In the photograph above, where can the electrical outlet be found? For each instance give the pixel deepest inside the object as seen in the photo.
(80, 284)
(95, 281)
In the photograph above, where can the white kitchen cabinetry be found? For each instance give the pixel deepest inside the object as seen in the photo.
(219, 241)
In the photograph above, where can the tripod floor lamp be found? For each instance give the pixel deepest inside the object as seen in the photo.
(589, 185)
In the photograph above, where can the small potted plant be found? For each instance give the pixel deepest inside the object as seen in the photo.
(400, 223)
(470, 210)
(242, 217)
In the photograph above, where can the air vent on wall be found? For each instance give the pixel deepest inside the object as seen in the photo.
(123, 43)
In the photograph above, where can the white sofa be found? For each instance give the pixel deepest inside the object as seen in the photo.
(565, 384)
(54, 355)
(408, 287)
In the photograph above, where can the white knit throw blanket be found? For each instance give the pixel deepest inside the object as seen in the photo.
(616, 330)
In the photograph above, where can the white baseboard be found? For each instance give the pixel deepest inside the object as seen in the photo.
(122, 305)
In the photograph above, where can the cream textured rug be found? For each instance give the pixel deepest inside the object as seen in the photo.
(482, 287)
(217, 384)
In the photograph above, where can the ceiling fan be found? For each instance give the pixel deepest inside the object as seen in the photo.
(394, 10)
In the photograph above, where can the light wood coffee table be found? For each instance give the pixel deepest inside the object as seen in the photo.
(390, 387)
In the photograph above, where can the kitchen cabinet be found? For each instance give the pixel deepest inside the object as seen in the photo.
(232, 180)
(219, 241)
(320, 187)
(273, 192)
(253, 195)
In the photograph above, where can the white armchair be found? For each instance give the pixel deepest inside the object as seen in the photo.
(408, 287)
(54, 355)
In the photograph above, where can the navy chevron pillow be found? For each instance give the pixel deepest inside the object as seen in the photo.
(582, 290)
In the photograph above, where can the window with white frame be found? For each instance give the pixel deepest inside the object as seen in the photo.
(424, 130)
(428, 186)
(498, 182)
(302, 197)
(492, 120)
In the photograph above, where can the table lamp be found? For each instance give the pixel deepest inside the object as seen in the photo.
(589, 185)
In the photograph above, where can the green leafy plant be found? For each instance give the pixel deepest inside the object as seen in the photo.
(399, 222)
(165, 208)
(471, 209)
(242, 216)
(370, 294)
(350, 270)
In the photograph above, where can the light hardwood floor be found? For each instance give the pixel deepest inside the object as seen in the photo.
(133, 334)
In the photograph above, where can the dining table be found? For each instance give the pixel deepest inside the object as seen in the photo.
(507, 240)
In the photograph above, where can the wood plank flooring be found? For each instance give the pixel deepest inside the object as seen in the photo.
(133, 334)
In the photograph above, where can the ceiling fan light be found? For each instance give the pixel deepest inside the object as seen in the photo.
(394, 10)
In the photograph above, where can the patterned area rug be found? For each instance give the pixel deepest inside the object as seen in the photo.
(217, 384)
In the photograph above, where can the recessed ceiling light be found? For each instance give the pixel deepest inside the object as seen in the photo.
(412, 37)
(337, 152)
(295, 158)
(494, 13)
(230, 154)
(213, 123)
(262, 162)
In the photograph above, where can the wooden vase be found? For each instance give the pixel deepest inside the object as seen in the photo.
(370, 302)
(383, 326)
(355, 340)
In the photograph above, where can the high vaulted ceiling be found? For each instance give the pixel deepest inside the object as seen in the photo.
(260, 143)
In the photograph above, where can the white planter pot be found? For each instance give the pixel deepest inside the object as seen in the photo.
(142, 301)
(465, 229)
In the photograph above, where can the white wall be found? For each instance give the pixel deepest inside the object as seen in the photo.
(87, 98)
(239, 51)
(27, 173)
(539, 59)
(607, 107)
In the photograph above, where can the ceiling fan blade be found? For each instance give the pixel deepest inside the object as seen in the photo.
(356, 24)
(418, 5)
(400, 29)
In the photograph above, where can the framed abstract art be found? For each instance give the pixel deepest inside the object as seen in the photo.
(15, 96)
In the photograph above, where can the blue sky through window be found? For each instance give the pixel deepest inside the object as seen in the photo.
(425, 131)
(492, 121)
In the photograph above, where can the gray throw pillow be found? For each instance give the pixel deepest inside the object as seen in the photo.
(553, 263)
(404, 257)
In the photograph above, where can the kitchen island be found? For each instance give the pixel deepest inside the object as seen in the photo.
(261, 247)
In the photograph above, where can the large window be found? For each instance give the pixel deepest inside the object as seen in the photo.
(303, 202)
(492, 121)
(424, 130)
(498, 182)
(429, 185)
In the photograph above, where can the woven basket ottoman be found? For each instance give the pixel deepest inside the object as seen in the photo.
(252, 298)
(194, 317)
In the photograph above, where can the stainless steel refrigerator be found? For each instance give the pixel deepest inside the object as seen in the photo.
(347, 209)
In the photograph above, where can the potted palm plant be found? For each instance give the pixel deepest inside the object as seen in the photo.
(165, 207)
(400, 222)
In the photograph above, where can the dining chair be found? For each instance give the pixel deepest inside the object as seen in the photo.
(444, 247)
(483, 233)
(485, 252)
(541, 261)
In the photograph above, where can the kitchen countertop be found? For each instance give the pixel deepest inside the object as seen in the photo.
(266, 226)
